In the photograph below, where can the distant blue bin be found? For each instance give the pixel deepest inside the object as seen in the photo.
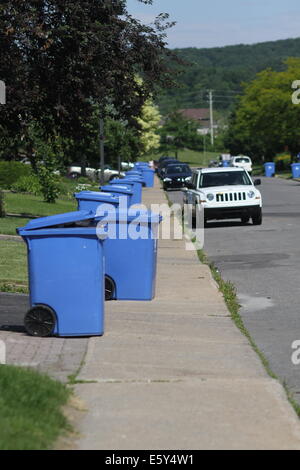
(148, 175)
(269, 169)
(90, 200)
(120, 190)
(226, 163)
(141, 164)
(130, 263)
(66, 276)
(134, 185)
(295, 170)
(135, 172)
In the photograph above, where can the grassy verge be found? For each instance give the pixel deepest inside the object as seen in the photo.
(194, 158)
(30, 411)
(30, 205)
(13, 267)
(191, 157)
(229, 293)
(8, 225)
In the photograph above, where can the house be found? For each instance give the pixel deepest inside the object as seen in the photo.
(201, 115)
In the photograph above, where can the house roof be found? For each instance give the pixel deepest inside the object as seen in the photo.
(198, 114)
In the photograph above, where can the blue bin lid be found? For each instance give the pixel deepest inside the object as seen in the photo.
(97, 196)
(126, 181)
(145, 169)
(124, 215)
(57, 220)
(117, 189)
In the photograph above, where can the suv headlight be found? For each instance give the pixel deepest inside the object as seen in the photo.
(188, 178)
(251, 194)
(210, 197)
(167, 180)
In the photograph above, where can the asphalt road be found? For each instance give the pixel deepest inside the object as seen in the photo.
(264, 264)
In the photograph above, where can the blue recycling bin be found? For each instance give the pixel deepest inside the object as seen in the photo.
(295, 170)
(148, 175)
(90, 200)
(141, 164)
(130, 252)
(269, 169)
(119, 190)
(225, 163)
(66, 276)
(137, 173)
(134, 185)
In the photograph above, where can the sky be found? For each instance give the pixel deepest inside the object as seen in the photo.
(217, 23)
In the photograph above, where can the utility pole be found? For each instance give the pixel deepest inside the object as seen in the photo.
(211, 117)
(101, 149)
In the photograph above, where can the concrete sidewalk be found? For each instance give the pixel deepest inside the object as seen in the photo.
(176, 373)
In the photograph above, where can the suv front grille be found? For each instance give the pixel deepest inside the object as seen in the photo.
(229, 197)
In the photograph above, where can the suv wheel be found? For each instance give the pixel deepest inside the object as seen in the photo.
(257, 218)
(245, 219)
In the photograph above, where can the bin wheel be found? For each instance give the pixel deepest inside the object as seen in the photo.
(40, 321)
(109, 288)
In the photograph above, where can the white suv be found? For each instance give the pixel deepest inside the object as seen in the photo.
(242, 161)
(225, 193)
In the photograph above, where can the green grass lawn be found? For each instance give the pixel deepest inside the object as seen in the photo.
(194, 158)
(191, 157)
(28, 204)
(13, 266)
(30, 409)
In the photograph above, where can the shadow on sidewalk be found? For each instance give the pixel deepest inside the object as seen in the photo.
(12, 310)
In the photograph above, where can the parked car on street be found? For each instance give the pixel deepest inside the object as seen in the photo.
(242, 161)
(127, 165)
(225, 193)
(176, 175)
(165, 162)
(109, 174)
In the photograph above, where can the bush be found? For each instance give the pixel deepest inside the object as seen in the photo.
(283, 162)
(27, 184)
(82, 187)
(10, 172)
(49, 184)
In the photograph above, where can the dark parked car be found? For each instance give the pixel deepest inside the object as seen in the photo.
(176, 175)
(163, 164)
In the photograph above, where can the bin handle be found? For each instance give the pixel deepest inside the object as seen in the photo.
(28, 241)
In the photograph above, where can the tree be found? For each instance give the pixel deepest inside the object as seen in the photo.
(266, 121)
(60, 57)
(179, 132)
(149, 125)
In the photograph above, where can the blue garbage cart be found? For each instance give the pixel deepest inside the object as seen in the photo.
(90, 200)
(295, 170)
(269, 169)
(130, 253)
(120, 190)
(148, 175)
(137, 173)
(141, 164)
(134, 185)
(66, 276)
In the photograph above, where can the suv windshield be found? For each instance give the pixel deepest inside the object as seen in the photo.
(172, 169)
(224, 178)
